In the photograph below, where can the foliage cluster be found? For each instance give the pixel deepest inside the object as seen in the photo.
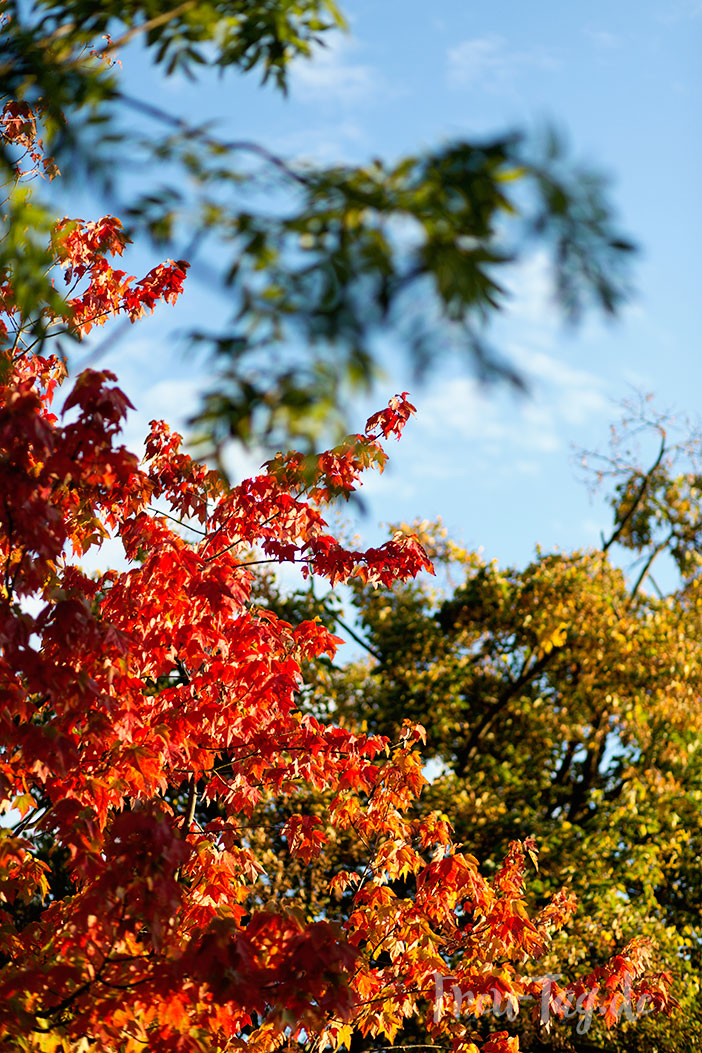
(316, 263)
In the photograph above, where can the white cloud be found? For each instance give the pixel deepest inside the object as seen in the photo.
(474, 60)
(603, 39)
(516, 430)
(580, 393)
(527, 467)
(174, 401)
(459, 407)
(330, 76)
(531, 299)
(490, 62)
(328, 143)
(680, 11)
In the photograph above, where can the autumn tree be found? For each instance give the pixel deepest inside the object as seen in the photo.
(562, 698)
(152, 726)
(318, 262)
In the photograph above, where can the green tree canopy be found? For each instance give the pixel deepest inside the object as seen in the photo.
(561, 700)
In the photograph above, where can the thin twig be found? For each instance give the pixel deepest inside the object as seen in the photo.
(649, 563)
(146, 27)
(174, 519)
(192, 132)
(190, 811)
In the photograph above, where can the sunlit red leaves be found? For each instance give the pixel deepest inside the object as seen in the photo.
(392, 420)
(277, 964)
(501, 1042)
(167, 676)
(187, 485)
(19, 129)
(623, 985)
(80, 246)
(97, 744)
(108, 291)
(304, 836)
(98, 291)
(398, 559)
(336, 472)
(21, 874)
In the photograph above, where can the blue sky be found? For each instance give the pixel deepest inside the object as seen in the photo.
(623, 82)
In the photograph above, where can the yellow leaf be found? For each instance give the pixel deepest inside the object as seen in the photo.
(24, 803)
(343, 1036)
(556, 639)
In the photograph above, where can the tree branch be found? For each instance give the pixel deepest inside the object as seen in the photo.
(190, 810)
(145, 27)
(649, 563)
(527, 673)
(637, 500)
(359, 639)
(192, 132)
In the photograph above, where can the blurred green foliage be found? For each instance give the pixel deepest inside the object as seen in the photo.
(317, 262)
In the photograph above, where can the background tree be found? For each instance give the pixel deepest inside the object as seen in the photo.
(318, 262)
(562, 699)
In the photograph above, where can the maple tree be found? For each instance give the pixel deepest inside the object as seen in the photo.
(151, 714)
